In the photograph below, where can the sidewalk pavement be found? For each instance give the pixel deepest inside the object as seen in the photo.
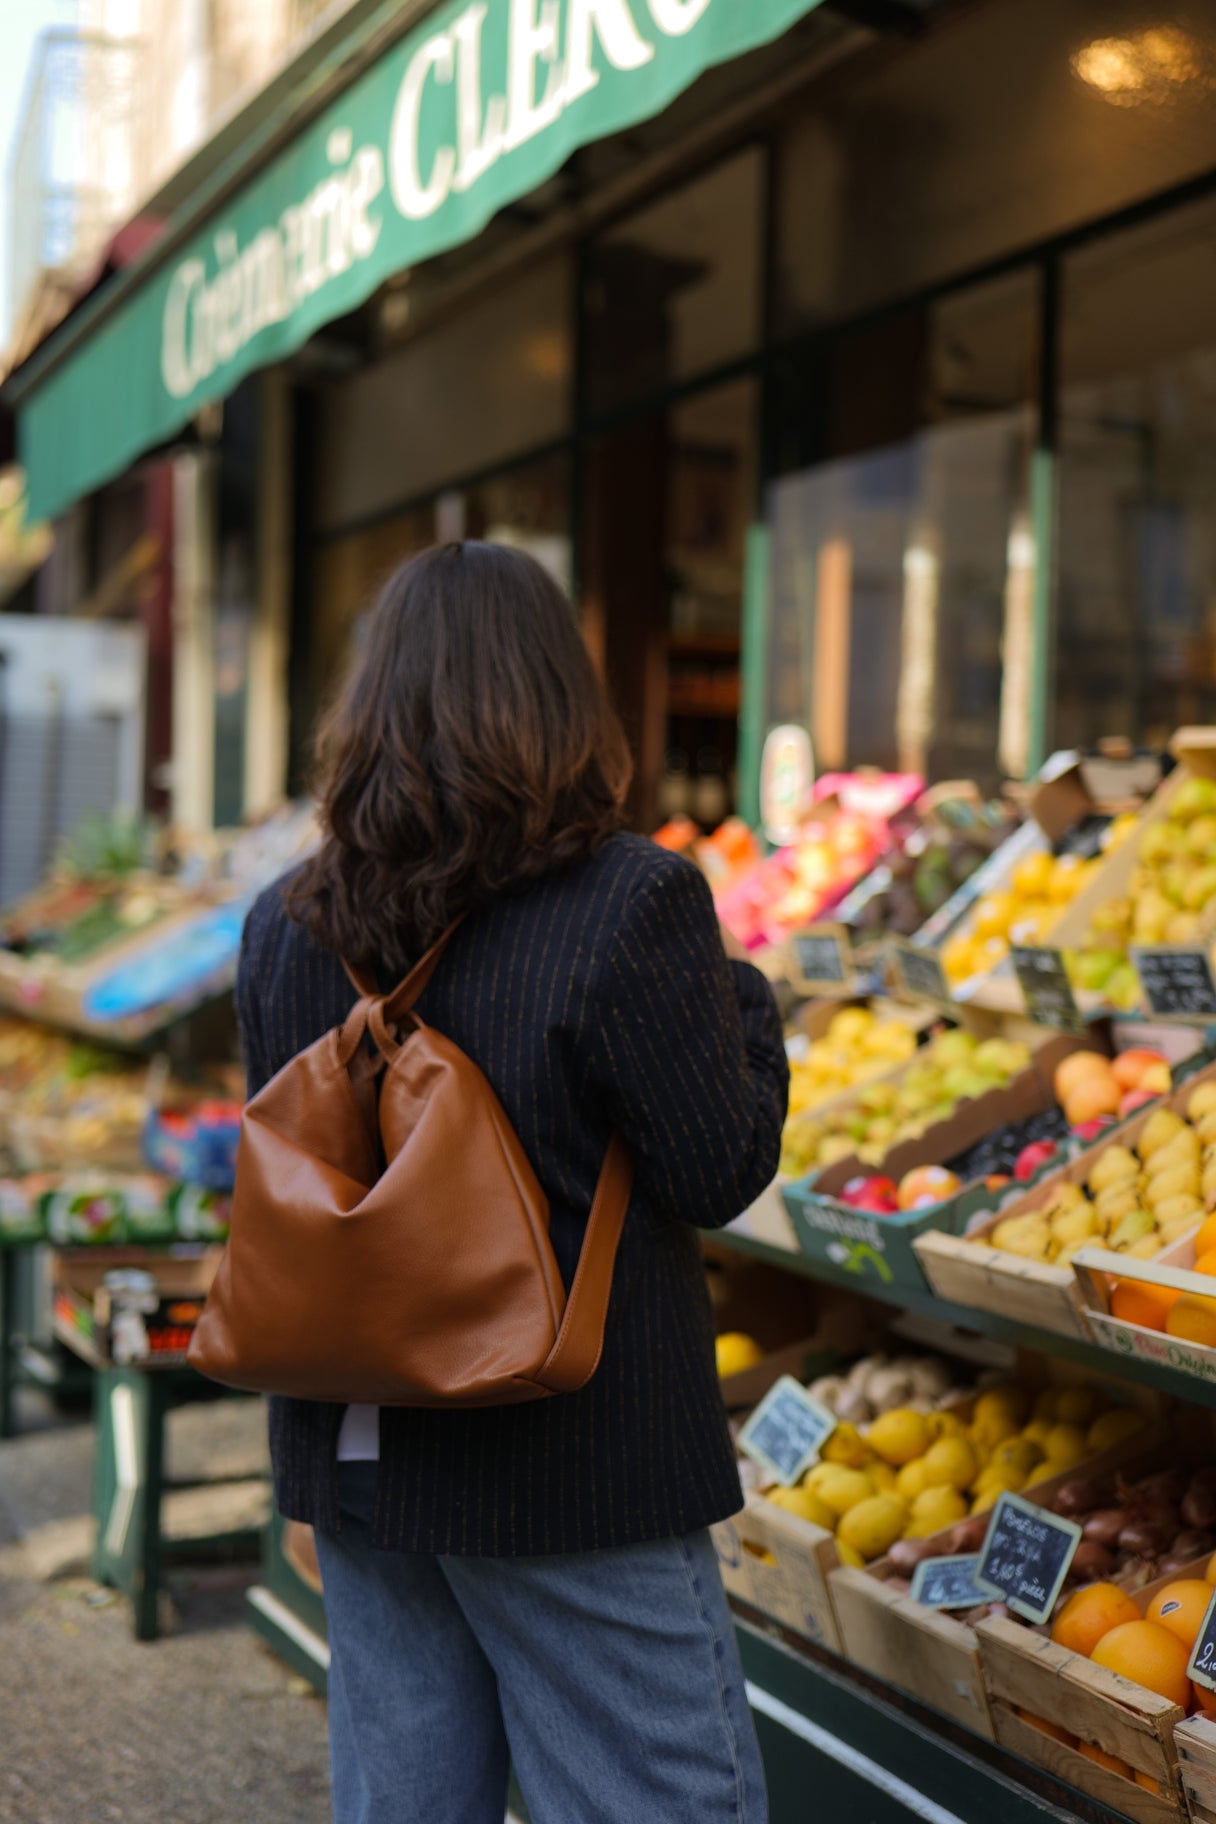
(203, 1726)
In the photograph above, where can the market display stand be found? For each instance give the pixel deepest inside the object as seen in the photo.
(132, 1547)
(865, 1750)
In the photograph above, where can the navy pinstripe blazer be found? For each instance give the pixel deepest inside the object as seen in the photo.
(597, 999)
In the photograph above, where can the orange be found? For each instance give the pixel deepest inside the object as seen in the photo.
(1181, 1607)
(1047, 1728)
(1092, 1096)
(1206, 1238)
(1205, 1702)
(1209, 1576)
(1075, 1068)
(1091, 1613)
(1205, 1262)
(1111, 1762)
(1148, 1655)
(1146, 1780)
(1136, 1302)
(1193, 1320)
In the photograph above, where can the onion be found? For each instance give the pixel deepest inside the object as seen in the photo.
(1195, 1542)
(900, 1585)
(968, 1536)
(1169, 1486)
(1106, 1525)
(1198, 1506)
(1170, 1567)
(1143, 1539)
(1092, 1560)
(906, 1554)
(1078, 1497)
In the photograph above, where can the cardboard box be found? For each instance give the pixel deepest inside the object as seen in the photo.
(105, 1329)
(967, 1271)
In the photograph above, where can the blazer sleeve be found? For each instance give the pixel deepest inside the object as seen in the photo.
(689, 1056)
(247, 997)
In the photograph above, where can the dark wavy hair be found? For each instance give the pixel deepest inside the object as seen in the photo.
(473, 750)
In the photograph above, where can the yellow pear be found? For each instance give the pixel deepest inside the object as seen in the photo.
(1174, 1181)
(1114, 1203)
(1162, 1126)
(1205, 1125)
(1183, 1149)
(1186, 1207)
(1028, 1237)
(1147, 1248)
(1177, 1227)
(1074, 1226)
(1130, 1230)
(1112, 1167)
(1201, 1102)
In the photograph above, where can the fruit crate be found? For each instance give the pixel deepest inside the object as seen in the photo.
(1171, 1270)
(1024, 1671)
(883, 1248)
(780, 1564)
(967, 1271)
(1195, 1741)
(931, 1653)
(1195, 751)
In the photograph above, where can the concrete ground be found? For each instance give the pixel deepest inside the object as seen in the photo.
(203, 1726)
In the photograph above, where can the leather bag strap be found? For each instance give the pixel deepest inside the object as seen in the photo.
(403, 996)
(575, 1355)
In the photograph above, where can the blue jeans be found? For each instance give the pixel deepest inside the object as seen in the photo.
(610, 1679)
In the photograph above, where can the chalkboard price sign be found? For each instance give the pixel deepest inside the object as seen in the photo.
(1203, 1656)
(1176, 984)
(948, 1583)
(920, 973)
(787, 1431)
(821, 957)
(1025, 1556)
(1046, 988)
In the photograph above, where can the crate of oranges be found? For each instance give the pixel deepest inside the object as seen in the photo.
(1161, 1310)
(1098, 1698)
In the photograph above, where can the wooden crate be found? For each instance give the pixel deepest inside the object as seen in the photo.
(1093, 1266)
(1023, 1670)
(930, 1654)
(780, 1565)
(970, 1272)
(1196, 1744)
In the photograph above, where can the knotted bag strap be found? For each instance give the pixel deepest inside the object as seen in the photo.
(403, 996)
(575, 1355)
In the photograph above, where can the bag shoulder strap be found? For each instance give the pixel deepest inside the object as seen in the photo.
(575, 1355)
(403, 996)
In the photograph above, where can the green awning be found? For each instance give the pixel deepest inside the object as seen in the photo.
(476, 106)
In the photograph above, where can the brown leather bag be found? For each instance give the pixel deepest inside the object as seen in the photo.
(395, 1249)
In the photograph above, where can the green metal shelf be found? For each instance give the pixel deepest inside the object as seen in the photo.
(920, 1300)
(840, 1746)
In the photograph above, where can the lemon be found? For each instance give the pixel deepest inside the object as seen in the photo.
(1113, 1427)
(845, 1446)
(849, 1555)
(873, 1526)
(735, 1352)
(900, 1435)
(884, 1478)
(985, 1500)
(950, 1463)
(840, 1488)
(1065, 1446)
(946, 1425)
(934, 1510)
(806, 1505)
(911, 1480)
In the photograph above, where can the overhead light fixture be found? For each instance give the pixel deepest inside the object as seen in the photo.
(1144, 67)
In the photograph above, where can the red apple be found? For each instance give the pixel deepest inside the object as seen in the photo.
(1092, 1130)
(876, 1195)
(1033, 1158)
(1134, 1099)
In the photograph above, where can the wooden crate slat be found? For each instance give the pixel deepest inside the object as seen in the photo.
(1122, 1795)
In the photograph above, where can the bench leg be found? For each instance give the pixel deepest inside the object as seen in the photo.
(128, 1485)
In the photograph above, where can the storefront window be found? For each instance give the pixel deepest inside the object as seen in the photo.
(489, 385)
(1136, 565)
(675, 291)
(903, 566)
(1003, 126)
